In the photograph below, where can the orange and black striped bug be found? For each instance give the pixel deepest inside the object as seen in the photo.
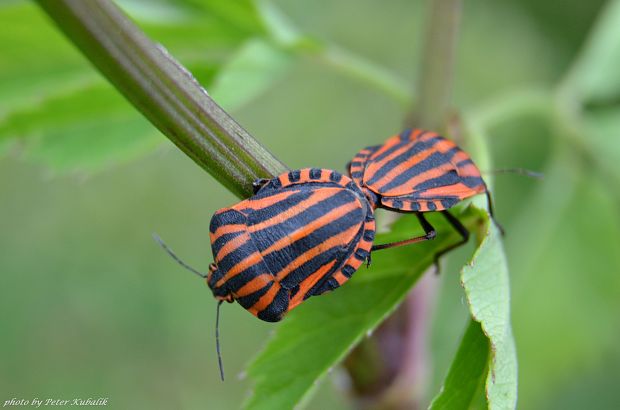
(301, 234)
(418, 171)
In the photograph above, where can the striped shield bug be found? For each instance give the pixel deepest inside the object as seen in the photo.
(302, 234)
(418, 171)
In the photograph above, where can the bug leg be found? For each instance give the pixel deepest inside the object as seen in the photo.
(258, 184)
(348, 167)
(368, 260)
(429, 233)
(491, 213)
(460, 229)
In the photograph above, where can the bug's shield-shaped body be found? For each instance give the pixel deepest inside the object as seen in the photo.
(304, 233)
(416, 171)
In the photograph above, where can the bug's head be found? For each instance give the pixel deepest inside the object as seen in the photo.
(217, 285)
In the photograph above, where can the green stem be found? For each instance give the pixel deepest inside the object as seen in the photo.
(164, 91)
(434, 84)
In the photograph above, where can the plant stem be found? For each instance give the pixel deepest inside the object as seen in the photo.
(434, 83)
(164, 91)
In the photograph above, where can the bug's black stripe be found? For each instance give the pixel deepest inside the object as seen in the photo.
(223, 239)
(324, 285)
(228, 217)
(278, 207)
(293, 176)
(266, 236)
(249, 300)
(404, 136)
(315, 173)
(277, 261)
(309, 267)
(415, 201)
(472, 182)
(357, 174)
(240, 253)
(465, 162)
(452, 152)
(449, 202)
(277, 308)
(396, 147)
(335, 176)
(398, 161)
(449, 178)
(434, 160)
(361, 255)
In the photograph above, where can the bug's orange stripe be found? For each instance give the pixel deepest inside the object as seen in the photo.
(306, 230)
(355, 168)
(340, 278)
(265, 300)
(422, 135)
(342, 238)
(387, 145)
(254, 285)
(284, 179)
(376, 165)
(403, 167)
(308, 283)
(365, 245)
(264, 202)
(407, 187)
(460, 190)
(459, 156)
(468, 170)
(239, 267)
(231, 246)
(316, 196)
(224, 229)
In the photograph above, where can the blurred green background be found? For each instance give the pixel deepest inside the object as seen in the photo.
(91, 307)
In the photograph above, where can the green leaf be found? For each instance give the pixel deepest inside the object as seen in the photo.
(36, 61)
(317, 335)
(86, 129)
(486, 284)
(467, 373)
(56, 107)
(487, 289)
(255, 67)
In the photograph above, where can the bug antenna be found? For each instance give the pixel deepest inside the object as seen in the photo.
(175, 257)
(519, 171)
(217, 339)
